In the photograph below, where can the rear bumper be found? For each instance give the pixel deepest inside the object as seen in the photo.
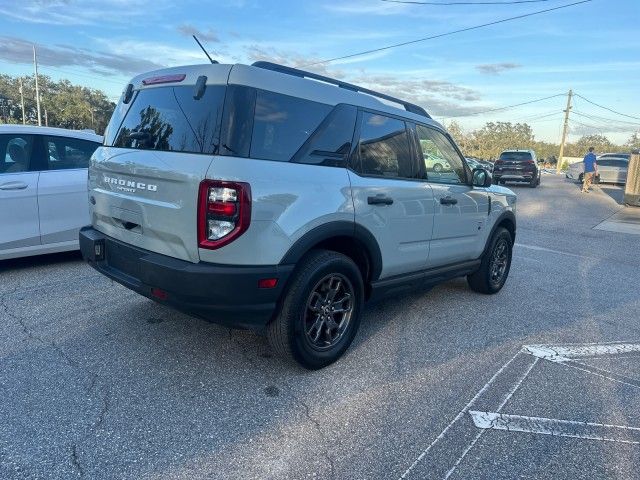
(513, 177)
(223, 294)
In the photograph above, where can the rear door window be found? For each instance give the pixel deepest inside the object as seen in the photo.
(384, 147)
(331, 142)
(15, 153)
(171, 119)
(67, 153)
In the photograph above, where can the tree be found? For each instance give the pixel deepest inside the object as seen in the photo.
(66, 105)
(494, 137)
(634, 141)
(600, 143)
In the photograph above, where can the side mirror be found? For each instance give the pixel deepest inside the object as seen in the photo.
(481, 177)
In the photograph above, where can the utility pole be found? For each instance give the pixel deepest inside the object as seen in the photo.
(564, 131)
(35, 67)
(22, 101)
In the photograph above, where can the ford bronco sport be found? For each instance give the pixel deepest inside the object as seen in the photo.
(275, 199)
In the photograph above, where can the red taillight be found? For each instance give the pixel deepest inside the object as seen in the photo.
(227, 209)
(224, 212)
(164, 79)
(498, 162)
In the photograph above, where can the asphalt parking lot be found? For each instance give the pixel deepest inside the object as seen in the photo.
(539, 381)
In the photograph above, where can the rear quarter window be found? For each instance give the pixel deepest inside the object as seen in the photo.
(282, 124)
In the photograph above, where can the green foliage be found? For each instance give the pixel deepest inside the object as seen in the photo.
(66, 105)
(634, 141)
(494, 137)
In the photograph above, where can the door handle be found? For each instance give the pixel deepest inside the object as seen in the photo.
(13, 186)
(448, 200)
(379, 200)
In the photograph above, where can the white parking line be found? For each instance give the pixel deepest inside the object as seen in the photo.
(555, 427)
(458, 416)
(479, 434)
(543, 249)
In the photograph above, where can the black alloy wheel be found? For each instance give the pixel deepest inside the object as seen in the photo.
(329, 310)
(499, 262)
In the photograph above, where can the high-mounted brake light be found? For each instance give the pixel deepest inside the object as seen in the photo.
(164, 79)
(224, 212)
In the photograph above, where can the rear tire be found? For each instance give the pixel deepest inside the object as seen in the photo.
(581, 178)
(495, 264)
(320, 311)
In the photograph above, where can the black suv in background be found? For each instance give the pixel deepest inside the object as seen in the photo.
(517, 166)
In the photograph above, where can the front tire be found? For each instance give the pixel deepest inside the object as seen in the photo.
(437, 168)
(495, 264)
(320, 312)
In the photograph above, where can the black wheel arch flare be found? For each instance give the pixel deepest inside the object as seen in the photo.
(336, 229)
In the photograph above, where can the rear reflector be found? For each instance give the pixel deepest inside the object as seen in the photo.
(159, 293)
(267, 283)
(164, 79)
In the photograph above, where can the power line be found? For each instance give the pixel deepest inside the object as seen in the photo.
(508, 106)
(465, 3)
(594, 127)
(402, 44)
(538, 116)
(606, 108)
(605, 120)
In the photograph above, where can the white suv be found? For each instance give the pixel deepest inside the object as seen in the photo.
(275, 199)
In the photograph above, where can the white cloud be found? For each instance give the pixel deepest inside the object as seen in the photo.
(89, 12)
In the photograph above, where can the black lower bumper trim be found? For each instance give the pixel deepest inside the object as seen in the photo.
(223, 294)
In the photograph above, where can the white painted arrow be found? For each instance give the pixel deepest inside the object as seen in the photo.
(564, 353)
(555, 427)
(569, 355)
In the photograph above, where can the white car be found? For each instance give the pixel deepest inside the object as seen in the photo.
(612, 168)
(43, 188)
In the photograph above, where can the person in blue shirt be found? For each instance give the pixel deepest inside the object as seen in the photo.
(590, 169)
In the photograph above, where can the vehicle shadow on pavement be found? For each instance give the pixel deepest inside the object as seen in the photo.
(49, 260)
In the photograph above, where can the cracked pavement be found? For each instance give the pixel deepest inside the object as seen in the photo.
(98, 382)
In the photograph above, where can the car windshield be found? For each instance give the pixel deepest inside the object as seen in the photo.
(516, 156)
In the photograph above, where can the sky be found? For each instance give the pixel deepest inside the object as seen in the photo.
(592, 48)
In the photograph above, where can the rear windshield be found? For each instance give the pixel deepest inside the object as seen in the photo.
(170, 119)
(516, 156)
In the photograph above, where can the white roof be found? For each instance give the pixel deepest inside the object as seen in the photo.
(59, 132)
(251, 76)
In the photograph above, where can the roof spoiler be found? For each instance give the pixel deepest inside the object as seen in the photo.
(409, 107)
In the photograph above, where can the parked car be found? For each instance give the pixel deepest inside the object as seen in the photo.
(304, 197)
(479, 163)
(433, 161)
(43, 188)
(517, 166)
(610, 170)
(626, 156)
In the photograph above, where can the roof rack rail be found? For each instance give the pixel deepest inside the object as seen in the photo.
(409, 107)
